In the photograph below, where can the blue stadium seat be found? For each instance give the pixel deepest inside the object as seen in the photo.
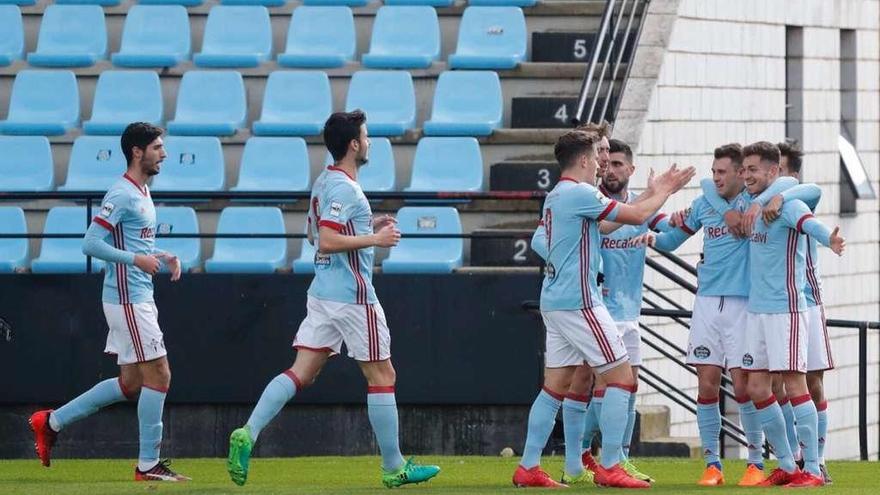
(185, 3)
(306, 261)
(236, 36)
(274, 164)
(249, 255)
(209, 104)
(379, 173)
(11, 34)
(42, 102)
(26, 164)
(350, 3)
(496, 3)
(387, 97)
(64, 255)
(103, 3)
(123, 97)
(295, 104)
(13, 252)
(265, 3)
(96, 162)
(433, 3)
(179, 220)
(192, 164)
(319, 37)
(147, 43)
(71, 36)
(447, 164)
(426, 255)
(19, 2)
(466, 103)
(490, 38)
(404, 38)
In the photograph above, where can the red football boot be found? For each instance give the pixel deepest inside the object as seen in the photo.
(44, 436)
(535, 477)
(160, 472)
(779, 477)
(616, 477)
(804, 479)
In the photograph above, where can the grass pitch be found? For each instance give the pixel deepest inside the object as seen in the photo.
(331, 475)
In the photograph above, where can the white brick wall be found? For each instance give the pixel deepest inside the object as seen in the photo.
(722, 79)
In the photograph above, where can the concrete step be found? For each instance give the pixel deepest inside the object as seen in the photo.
(653, 422)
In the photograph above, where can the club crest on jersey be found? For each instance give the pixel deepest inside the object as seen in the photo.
(702, 352)
(107, 209)
(748, 360)
(322, 260)
(335, 209)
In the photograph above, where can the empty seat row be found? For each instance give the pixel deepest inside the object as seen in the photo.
(276, 3)
(214, 103)
(241, 36)
(246, 255)
(267, 164)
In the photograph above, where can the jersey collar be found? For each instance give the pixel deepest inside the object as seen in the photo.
(564, 178)
(339, 169)
(143, 190)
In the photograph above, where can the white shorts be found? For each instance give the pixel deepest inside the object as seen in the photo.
(134, 332)
(775, 342)
(361, 326)
(818, 345)
(718, 329)
(632, 339)
(583, 335)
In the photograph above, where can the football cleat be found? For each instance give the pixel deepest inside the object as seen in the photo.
(805, 479)
(825, 476)
(160, 472)
(587, 477)
(633, 471)
(44, 435)
(616, 477)
(238, 460)
(712, 476)
(752, 477)
(589, 461)
(409, 473)
(534, 478)
(779, 477)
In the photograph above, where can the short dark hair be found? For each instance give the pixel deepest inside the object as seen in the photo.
(139, 134)
(734, 151)
(601, 129)
(791, 149)
(618, 146)
(340, 129)
(573, 144)
(764, 149)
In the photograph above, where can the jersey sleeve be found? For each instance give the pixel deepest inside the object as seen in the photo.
(337, 206)
(798, 216)
(693, 221)
(810, 194)
(710, 194)
(591, 203)
(778, 186)
(113, 209)
(659, 222)
(539, 241)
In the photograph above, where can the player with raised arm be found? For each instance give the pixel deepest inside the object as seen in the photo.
(123, 235)
(342, 307)
(579, 328)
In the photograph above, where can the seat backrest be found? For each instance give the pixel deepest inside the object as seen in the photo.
(406, 30)
(428, 220)
(13, 252)
(447, 164)
(96, 162)
(179, 220)
(492, 31)
(11, 34)
(379, 174)
(465, 95)
(44, 95)
(274, 163)
(205, 96)
(350, 3)
(250, 220)
(26, 164)
(292, 95)
(128, 96)
(66, 220)
(515, 3)
(141, 33)
(322, 30)
(73, 29)
(383, 95)
(433, 3)
(232, 29)
(194, 163)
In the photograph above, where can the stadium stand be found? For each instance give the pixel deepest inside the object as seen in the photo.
(490, 38)
(194, 163)
(387, 97)
(42, 102)
(433, 3)
(22, 3)
(265, 3)
(305, 263)
(350, 3)
(236, 36)
(25, 164)
(516, 3)
(295, 103)
(11, 34)
(64, 255)
(96, 162)
(274, 164)
(71, 36)
(319, 37)
(185, 3)
(466, 103)
(248, 255)
(103, 3)
(209, 103)
(13, 252)
(179, 220)
(406, 37)
(426, 255)
(379, 174)
(447, 164)
(122, 97)
(146, 43)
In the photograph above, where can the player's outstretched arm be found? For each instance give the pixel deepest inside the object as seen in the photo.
(831, 239)
(95, 245)
(659, 190)
(331, 241)
(539, 242)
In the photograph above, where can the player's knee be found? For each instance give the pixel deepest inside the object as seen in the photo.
(131, 386)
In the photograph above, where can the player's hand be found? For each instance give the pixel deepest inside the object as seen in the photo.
(387, 236)
(173, 263)
(838, 242)
(734, 221)
(383, 220)
(646, 239)
(676, 220)
(749, 218)
(673, 179)
(772, 210)
(147, 263)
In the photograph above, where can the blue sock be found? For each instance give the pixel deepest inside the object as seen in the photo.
(149, 408)
(574, 413)
(709, 423)
(278, 392)
(382, 410)
(751, 424)
(790, 431)
(591, 422)
(542, 417)
(822, 412)
(630, 424)
(101, 395)
(807, 421)
(613, 423)
(773, 424)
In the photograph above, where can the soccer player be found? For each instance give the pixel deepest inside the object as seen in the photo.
(775, 329)
(127, 216)
(342, 306)
(579, 328)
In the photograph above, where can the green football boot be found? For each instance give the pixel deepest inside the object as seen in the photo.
(240, 447)
(633, 471)
(410, 472)
(586, 477)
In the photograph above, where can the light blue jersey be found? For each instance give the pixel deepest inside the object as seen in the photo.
(623, 264)
(813, 289)
(339, 203)
(572, 212)
(724, 269)
(127, 212)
